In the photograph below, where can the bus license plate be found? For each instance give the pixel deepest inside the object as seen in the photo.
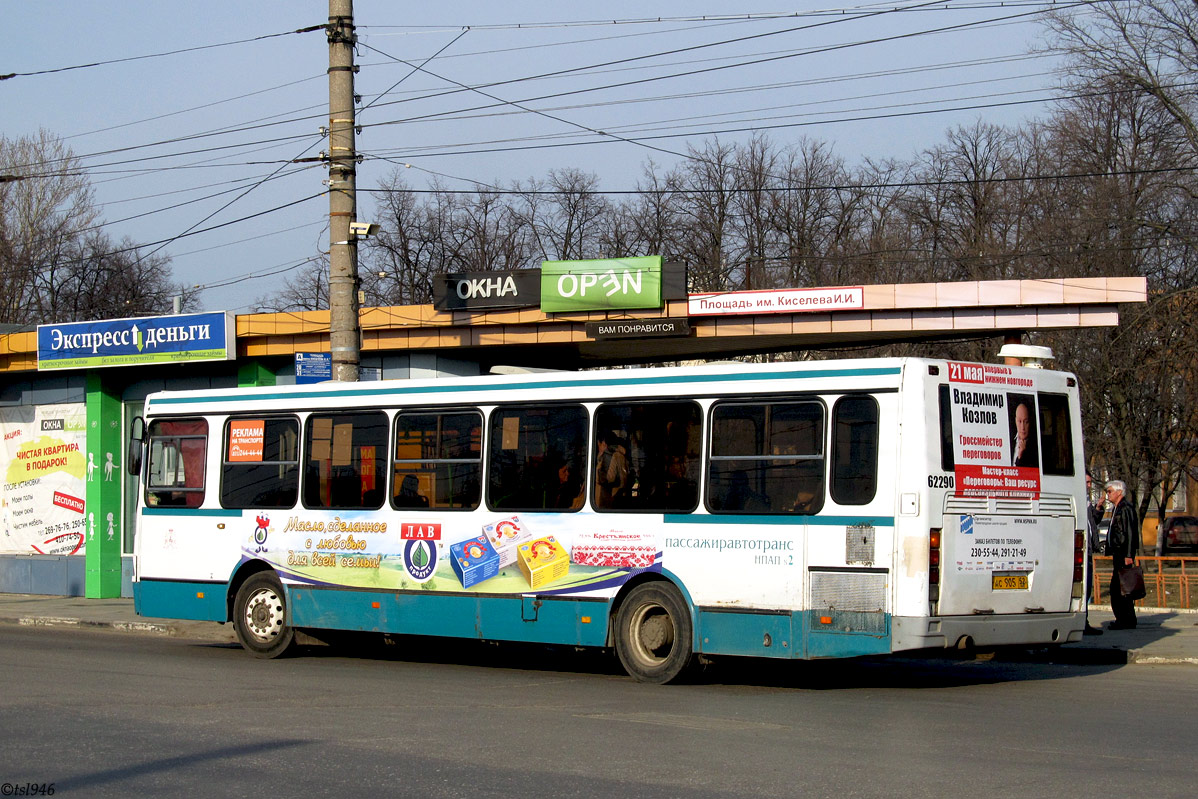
(1008, 582)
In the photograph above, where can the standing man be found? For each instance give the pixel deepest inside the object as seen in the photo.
(1122, 543)
(1093, 519)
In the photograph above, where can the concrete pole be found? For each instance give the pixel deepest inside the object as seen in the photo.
(344, 325)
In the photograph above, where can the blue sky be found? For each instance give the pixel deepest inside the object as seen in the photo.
(213, 131)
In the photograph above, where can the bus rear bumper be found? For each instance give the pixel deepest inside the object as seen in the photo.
(947, 632)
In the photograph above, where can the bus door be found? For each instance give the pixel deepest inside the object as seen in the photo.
(175, 537)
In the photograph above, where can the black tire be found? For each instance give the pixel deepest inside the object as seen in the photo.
(654, 635)
(260, 616)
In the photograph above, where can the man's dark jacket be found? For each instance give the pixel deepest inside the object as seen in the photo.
(1123, 539)
(1093, 520)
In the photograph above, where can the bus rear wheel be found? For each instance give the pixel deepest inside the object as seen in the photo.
(260, 616)
(653, 634)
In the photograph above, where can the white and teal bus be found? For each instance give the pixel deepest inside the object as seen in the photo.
(791, 510)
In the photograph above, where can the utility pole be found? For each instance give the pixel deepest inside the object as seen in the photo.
(344, 324)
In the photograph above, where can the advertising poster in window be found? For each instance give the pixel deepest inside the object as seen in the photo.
(246, 440)
(994, 431)
(46, 469)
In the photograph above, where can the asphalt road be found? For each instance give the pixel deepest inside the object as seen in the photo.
(102, 714)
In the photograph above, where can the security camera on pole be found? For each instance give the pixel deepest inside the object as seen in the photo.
(344, 325)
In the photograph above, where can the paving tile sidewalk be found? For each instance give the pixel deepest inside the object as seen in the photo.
(1162, 636)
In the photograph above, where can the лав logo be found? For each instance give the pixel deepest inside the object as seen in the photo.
(966, 525)
(420, 559)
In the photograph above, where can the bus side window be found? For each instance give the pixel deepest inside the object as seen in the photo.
(536, 455)
(437, 461)
(175, 472)
(647, 456)
(260, 467)
(1056, 435)
(854, 450)
(344, 456)
(766, 458)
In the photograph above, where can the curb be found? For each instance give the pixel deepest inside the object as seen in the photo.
(123, 626)
(1138, 656)
(135, 627)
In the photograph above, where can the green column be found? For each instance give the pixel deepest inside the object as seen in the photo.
(253, 373)
(103, 579)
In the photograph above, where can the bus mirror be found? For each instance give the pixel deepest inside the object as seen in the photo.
(137, 431)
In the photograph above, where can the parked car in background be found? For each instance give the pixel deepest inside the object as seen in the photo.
(1180, 533)
(1104, 527)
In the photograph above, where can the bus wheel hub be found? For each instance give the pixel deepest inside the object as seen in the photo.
(657, 633)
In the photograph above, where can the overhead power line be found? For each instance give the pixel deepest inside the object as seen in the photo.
(713, 18)
(912, 184)
(688, 73)
(157, 55)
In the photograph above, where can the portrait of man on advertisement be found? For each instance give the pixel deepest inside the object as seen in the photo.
(1021, 409)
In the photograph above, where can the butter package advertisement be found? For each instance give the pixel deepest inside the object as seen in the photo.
(543, 561)
(506, 536)
(474, 561)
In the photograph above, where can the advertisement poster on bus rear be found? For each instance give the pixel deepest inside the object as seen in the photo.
(995, 437)
(45, 472)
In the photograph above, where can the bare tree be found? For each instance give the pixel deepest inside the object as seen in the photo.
(1149, 47)
(45, 206)
(57, 262)
(706, 206)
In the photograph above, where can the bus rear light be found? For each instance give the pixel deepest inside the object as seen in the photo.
(1079, 556)
(934, 565)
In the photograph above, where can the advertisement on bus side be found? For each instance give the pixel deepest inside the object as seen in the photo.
(513, 554)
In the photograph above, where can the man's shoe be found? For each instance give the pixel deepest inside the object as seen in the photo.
(1120, 626)
(1092, 630)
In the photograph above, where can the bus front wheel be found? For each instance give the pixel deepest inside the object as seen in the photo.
(653, 633)
(260, 616)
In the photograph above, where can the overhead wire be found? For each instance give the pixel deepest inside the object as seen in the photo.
(666, 124)
(558, 73)
(128, 59)
(905, 184)
(639, 141)
(630, 59)
(734, 17)
(693, 73)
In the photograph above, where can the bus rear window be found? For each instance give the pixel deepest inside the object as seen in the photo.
(1056, 435)
(175, 472)
(260, 467)
(345, 454)
(766, 458)
(948, 461)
